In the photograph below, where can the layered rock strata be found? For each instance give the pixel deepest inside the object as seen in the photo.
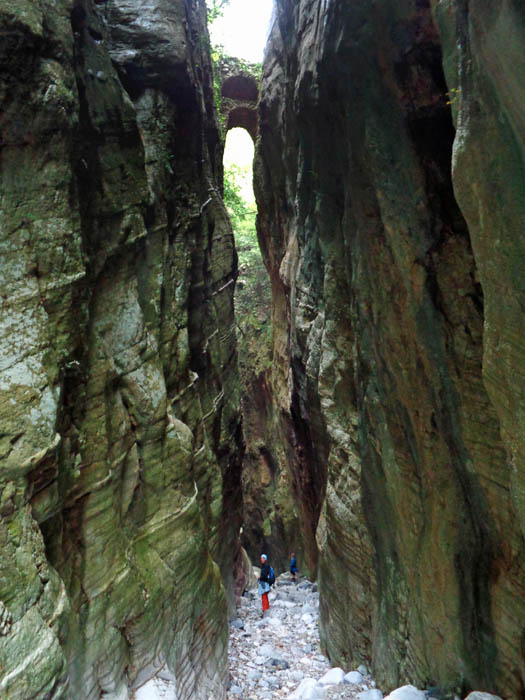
(120, 439)
(397, 308)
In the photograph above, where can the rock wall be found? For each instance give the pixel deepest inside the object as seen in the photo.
(395, 249)
(120, 432)
(270, 522)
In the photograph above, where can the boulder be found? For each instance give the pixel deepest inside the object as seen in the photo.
(372, 694)
(306, 690)
(353, 677)
(332, 677)
(406, 692)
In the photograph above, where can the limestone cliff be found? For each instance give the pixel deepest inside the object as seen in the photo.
(120, 434)
(397, 308)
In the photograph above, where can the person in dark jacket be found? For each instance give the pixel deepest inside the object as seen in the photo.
(264, 582)
(293, 566)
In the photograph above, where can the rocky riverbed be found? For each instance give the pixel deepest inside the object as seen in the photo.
(278, 655)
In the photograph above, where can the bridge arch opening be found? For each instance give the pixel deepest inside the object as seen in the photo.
(241, 87)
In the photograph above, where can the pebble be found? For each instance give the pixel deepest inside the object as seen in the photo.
(373, 694)
(353, 677)
(406, 692)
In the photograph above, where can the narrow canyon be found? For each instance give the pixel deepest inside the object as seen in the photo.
(384, 437)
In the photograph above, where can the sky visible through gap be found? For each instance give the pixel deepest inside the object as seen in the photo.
(243, 29)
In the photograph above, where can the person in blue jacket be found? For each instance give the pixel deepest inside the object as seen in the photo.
(293, 566)
(264, 585)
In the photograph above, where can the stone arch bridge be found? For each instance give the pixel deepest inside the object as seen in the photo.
(239, 83)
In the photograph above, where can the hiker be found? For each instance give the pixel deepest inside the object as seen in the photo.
(293, 566)
(264, 582)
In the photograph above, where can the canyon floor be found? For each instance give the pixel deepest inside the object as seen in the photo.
(279, 655)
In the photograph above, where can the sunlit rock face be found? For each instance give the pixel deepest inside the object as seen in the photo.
(120, 439)
(397, 312)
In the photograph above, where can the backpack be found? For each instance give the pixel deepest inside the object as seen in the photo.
(271, 576)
